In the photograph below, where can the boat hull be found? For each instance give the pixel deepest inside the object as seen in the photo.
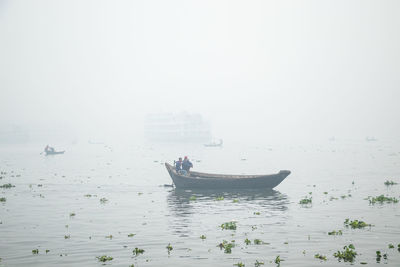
(54, 152)
(198, 180)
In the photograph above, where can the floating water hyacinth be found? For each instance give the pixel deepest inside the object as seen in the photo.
(131, 235)
(7, 186)
(339, 232)
(321, 257)
(277, 260)
(239, 264)
(382, 199)
(192, 198)
(348, 254)
(203, 237)
(169, 248)
(103, 200)
(356, 224)
(104, 258)
(219, 198)
(3, 199)
(247, 241)
(227, 246)
(35, 251)
(387, 183)
(138, 251)
(258, 263)
(229, 226)
(305, 201)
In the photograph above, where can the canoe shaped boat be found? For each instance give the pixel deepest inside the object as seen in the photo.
(54, 152)
(224, 181)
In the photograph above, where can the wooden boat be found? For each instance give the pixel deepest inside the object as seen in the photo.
(54, 152)
(223, 181)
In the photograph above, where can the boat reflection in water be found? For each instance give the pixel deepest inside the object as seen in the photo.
(189, 208)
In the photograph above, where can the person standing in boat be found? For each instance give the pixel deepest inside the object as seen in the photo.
(178, 165)
(186, 164)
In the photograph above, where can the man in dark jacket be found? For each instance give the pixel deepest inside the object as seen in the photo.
(186, 164)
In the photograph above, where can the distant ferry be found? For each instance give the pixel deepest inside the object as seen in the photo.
(180, 127)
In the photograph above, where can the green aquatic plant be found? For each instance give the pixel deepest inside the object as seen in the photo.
(169, 247)
(72, 214)
(235, 200)
(321, 257)
(138, 251)
(47, 251)
(247, 241)
(7, 186)
(325, 193)
(192, 198)
(104, 258)
(109, 236)
(103, 200)
(277, 260)
(67, 236)
(356, 224)
(3, 199)
(305, 201)
(378, 256)
(391, 246)
(256, 213)
(227, 246)
(131, 235)
(258, 263)
(387, 183)
(239, 264)
(333, 198)
(219, 198)
(35, 251)
(382, 199)
(339, 232)
(258, 241)
(229, 226)
(348, 254)
(88, 195)
(203, 237)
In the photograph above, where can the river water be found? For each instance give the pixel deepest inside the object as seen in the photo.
(56, 205)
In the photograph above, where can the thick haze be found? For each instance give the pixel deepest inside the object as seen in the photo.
(264, 70)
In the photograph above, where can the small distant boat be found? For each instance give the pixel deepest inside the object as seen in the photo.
(223, 181)
(54, 152)
(214, 144)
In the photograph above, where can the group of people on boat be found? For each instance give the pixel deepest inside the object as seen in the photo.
(183, 167)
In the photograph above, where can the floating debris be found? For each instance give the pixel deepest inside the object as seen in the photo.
(3, 199)
(109, 236)
(382, 199)
(103, 200)
(131, 235)
(35, 251)
(47, 251)
(192, 198)
(256, 213)
(88, 195)
(229, 226)
(321, 257)
(67, 236)
(347, 255)
(203, 237)
(72, 214)
(104, 258)
(356, 224)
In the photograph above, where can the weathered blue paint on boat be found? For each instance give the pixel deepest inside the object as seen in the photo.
(223, 181)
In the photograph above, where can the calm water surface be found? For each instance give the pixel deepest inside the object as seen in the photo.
(36, 213)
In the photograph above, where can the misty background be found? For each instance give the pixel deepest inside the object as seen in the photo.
(256, 70)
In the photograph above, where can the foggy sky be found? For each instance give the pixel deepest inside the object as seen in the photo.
(255, 69)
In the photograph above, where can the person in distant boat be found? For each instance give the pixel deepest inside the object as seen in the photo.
(186, 164)
(178, 165)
